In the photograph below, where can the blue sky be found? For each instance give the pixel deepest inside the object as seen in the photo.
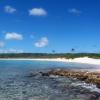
(46, 25)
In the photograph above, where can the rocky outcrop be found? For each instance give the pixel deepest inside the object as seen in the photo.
(88, 77)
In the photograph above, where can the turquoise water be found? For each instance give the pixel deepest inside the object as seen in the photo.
(25, 64)
(16, 85)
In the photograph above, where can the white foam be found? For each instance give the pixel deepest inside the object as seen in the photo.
(91, 87)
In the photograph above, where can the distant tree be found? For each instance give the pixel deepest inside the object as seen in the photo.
(72, 50)
(53, 51)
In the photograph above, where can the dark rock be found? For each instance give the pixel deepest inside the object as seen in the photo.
(24, 92)
(44, 74)
(93, 96)
(98, 86)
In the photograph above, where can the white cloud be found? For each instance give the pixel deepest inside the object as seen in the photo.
(37, 12)
(74, 11)
(2, 44)
(11, 51)
(15, 51)
(42, 42)
(9, 9)
(13, 36)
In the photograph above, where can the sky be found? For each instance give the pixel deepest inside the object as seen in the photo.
(40, 26)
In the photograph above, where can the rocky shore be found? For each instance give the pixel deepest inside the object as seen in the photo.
(88, 77)
(68, 84)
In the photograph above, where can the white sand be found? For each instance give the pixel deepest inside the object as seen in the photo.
(84, 60)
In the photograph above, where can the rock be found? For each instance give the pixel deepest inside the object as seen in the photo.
(88, 77)
(98, 86)
(44, 74)
(93, 96)
(32, 75)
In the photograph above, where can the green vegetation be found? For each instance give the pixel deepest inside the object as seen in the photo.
(52, 55)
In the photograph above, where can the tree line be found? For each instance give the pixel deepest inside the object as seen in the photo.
(49, 55)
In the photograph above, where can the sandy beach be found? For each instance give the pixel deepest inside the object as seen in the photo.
(84, 60)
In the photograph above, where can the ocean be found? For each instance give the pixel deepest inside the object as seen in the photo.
(16, 85)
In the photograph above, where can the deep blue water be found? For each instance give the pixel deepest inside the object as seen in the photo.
(15, 85)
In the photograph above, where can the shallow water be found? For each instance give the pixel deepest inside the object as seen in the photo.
(16, 85)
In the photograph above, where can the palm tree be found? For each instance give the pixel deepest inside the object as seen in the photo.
(72, 50)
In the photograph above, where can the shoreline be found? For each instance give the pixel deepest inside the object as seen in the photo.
(81, 60)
